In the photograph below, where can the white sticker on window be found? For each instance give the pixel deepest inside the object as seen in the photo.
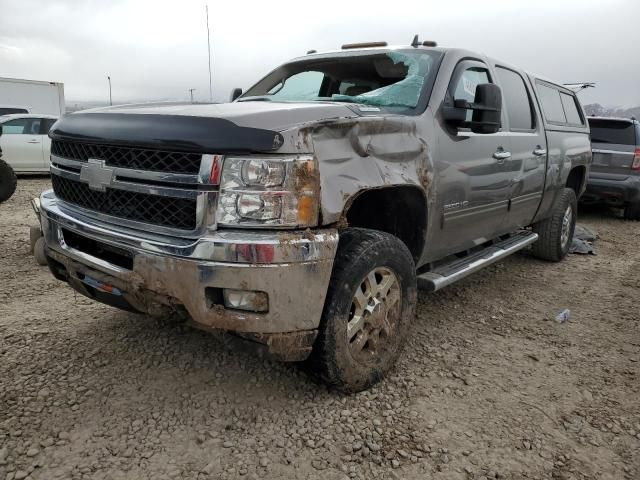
(469, 86)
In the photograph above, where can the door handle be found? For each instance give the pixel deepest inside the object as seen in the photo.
(539, 151)
(33, 141)
(500, 155)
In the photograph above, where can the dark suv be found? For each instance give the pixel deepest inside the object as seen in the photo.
(615, 172)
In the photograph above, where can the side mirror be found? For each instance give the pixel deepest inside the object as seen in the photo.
(235, 93)
(486, 108)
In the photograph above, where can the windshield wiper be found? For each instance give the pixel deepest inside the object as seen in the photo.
(257, 98)
(342, 100)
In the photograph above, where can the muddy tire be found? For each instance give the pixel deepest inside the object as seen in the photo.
(8, 181)
(369, 308)
(35, 232)
(632, 211)
(39, 251)
(556, 232)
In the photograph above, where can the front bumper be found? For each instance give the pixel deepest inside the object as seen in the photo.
(614, 190)
(168, 273)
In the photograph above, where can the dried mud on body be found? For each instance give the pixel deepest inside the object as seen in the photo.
(489, 386)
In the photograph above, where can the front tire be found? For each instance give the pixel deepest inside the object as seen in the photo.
(368, 310)
(8, 181)
(556, 232)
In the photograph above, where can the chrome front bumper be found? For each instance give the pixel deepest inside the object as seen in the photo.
(293, 268)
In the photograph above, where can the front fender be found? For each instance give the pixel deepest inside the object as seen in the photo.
(365, 153)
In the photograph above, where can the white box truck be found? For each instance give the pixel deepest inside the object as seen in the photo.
(31, 96)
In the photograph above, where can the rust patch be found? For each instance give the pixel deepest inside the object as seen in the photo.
(342, 223)
(261, 303)
(308, 234)
(423, 177)
(306, 177)
(287, 238)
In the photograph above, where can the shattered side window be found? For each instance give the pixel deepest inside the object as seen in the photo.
(403, 93)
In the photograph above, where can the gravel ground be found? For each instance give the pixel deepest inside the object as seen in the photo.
(490, 386)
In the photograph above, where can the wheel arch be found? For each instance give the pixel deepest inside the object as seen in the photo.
(400, 210)
(576, 180)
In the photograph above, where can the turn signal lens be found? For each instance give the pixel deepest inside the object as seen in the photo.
(306, 210)
(636, 160)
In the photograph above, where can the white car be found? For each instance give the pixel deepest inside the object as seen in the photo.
(24, 142)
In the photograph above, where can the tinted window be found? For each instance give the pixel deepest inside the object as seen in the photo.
(516, 99)
(47, 123)
(551, 104)
(612, 131)
(9, 111)
(571, 109)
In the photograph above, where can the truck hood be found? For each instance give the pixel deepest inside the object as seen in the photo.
(242, 127)
(276, 116)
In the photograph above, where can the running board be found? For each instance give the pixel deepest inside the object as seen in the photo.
(459, 268)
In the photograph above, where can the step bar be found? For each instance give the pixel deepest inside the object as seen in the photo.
(459, 268)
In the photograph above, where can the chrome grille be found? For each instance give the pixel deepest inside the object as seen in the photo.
(141, 207)
(129, 157)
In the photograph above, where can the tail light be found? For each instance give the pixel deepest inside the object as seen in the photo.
(636, 160)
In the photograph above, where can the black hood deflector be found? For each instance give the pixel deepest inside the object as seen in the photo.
(167, 132)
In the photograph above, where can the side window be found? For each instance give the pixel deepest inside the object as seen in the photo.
(517, 100)
(33, 128)
(571, 109)
(298, 86)
(19, 126)
(551, 104)
(46, 125)
(465, 88)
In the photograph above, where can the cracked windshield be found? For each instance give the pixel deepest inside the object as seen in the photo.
(391, 79)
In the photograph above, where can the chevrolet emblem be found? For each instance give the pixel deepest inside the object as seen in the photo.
(96, 174)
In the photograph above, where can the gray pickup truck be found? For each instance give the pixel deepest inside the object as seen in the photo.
(302, 215)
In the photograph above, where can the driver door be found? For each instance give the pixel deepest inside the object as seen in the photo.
(473, 198)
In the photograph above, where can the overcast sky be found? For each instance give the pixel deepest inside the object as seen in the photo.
(157, 50)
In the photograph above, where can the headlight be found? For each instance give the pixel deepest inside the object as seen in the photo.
(265, 173)
(269, 192)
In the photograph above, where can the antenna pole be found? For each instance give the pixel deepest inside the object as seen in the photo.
(206, 7)
(110, 100)
(191, 93)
